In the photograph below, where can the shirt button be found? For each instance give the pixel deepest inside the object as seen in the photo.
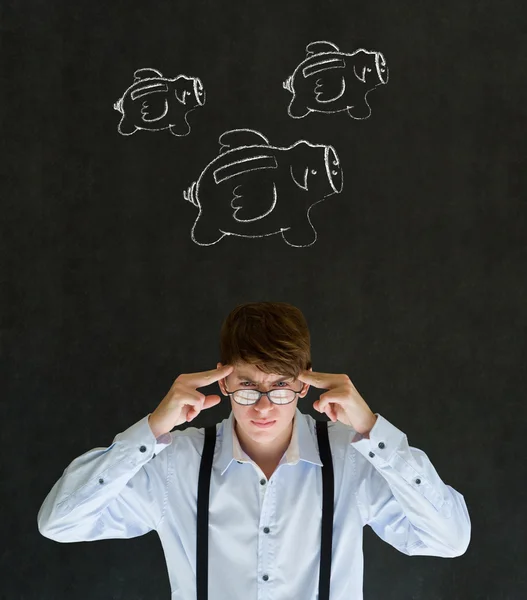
(263, 481)
(371, 454)
(101, 480)
(239, 462)
(142, 449)
(381, 445)
(418, 481)
(266, 530)
(265, 577)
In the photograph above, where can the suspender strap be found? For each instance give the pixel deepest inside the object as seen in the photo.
(328, 487)
(202, 539)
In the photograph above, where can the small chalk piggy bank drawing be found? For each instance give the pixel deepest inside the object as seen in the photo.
(154, 102)
(253, 189)
(330, 81)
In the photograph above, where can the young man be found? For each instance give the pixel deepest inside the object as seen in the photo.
(265, 499)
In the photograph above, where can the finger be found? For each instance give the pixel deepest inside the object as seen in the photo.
(203, 403)
(327, 403)
(319, 380)
(204, 378)
(194, 409)
(327, 409)
(211, 401)
(318, 406)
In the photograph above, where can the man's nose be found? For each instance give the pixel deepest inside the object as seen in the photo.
(267, 399)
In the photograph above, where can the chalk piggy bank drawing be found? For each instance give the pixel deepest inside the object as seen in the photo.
(154, 102)
(330, 81)
(253, 189)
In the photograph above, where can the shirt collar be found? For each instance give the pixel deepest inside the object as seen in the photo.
(302, 446)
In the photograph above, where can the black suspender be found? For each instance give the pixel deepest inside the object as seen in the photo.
(202, 540)
(328, 487)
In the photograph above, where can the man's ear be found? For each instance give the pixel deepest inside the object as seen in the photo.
(304, 392)
(221, 382)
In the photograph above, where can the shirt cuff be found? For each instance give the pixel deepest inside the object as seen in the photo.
(140, 435)
(383, 440)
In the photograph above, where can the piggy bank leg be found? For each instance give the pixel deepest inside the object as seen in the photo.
(126, 126)
(360, 110)
(180, 128)
(297, 109)
(301, 234)
(205, 233)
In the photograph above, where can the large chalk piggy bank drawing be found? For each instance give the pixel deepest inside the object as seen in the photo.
(331, 81)
(253, 189)
(154, 102)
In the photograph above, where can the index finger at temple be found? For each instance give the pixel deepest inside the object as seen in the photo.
(318, 379)
(204, 378)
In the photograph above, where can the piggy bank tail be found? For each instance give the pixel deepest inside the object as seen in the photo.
(119, 105)
(191, 195)
(288, 84)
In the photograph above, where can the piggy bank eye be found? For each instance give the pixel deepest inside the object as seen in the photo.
(335, 162)
(313, 171)
(369, 70)
(334, 172)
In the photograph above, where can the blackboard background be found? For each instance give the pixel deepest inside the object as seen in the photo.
(416, 286)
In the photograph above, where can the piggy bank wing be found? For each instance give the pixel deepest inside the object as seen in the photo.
(330, 88)
(253, 200)
(248, 168)
(153, 100)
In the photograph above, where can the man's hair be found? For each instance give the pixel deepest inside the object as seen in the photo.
(274, 336)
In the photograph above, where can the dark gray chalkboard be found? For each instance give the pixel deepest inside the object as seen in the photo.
(415, 286)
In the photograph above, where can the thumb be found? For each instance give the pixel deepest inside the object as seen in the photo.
(211, 401)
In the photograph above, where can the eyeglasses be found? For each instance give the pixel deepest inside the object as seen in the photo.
(247, 397)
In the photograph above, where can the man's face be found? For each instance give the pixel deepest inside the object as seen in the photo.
(245, 376)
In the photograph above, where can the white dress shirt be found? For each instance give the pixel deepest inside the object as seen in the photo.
(260, 527)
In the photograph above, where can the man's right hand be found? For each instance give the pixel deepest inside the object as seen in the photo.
(183, 402)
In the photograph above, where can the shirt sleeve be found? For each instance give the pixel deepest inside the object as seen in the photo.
(114, 492)
(403, 499)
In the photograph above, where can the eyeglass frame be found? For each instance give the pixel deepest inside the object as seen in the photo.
(262, 394)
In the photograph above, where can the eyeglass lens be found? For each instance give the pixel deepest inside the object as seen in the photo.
(251, 396)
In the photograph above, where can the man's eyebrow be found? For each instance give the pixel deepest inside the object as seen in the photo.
(248, 378)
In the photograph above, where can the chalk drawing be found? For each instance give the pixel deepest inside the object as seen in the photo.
(253, 189)
(154, 102)
(330, 81)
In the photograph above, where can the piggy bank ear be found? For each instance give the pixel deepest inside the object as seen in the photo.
(146, 74)
(317, 47)
(237, 138)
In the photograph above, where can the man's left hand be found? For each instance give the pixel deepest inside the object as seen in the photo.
(342, 402)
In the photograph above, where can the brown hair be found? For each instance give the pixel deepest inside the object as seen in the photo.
(274, 336)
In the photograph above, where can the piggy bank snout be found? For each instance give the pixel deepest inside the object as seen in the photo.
(333, 169)
(199, 91)
(382, 68)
